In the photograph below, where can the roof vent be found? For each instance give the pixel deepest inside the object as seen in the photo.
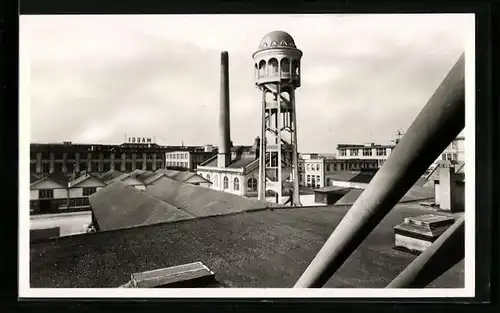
(192, 275)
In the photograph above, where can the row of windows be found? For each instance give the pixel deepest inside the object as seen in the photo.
(251, 183)
(175, 156)
(273, 66)
(313, 181)
(45, 167)
(338, 166)
(104, 155)
(449, 156)
(177, 164)
(313, 167)
(59, 204)
(49, 193)
(365, 151)
(351, 166)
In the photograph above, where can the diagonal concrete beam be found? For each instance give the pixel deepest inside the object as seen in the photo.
(444, 253)
(439, 122)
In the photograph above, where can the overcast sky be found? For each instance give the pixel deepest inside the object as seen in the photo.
(95, 78)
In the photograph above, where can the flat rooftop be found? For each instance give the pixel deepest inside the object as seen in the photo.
(261, 248)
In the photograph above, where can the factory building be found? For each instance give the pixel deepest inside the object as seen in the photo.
(368, 151)
(316, 171)
(189, 160)
(68, 157)
(53, 192)
(240, 176)
(455, 151)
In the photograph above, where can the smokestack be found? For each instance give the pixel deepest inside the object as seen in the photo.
(224, 157)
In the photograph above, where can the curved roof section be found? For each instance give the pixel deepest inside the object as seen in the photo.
(277, 39)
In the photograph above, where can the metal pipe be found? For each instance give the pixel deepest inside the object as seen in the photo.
(224, 127)
(295, 151)
(444, 253)
(262, 153)
(439, 122)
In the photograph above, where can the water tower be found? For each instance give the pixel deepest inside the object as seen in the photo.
(277, 75)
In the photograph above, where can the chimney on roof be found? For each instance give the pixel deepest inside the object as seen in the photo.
(224, 156)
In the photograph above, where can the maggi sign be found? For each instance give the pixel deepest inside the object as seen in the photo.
(139, 140)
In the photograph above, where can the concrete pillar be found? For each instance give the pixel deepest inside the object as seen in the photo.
(447, 187)
(154, 161)
(39, 162)
(124, 158)
(89, 162)
(101, 162)
(112, 161)
(77, 162)
(134, 158)
(51, 165)
(65, 163)
(144, 158)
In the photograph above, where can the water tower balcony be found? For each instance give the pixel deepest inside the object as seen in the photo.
(285, 78)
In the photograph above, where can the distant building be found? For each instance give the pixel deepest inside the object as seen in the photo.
(455, 151)
(368, 151)
(51, 193)
(314, 169)
(239, 177)
(68, 157)
(189, 160)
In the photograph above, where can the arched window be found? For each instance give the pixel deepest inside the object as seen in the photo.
(262, 68)
(226, 182)
(252, 184)
(236, 184)
(216, 180)
(273, 66)
(295, 67)
(208, 177)
(256, 70)
(317, 167)
(285, 65)
(328, 181)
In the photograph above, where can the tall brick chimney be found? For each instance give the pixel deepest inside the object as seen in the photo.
(224, 156)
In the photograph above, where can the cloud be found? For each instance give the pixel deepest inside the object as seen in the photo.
(93, 78)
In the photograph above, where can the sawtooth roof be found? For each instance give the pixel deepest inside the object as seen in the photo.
(265, 248)
(202, 201)
(110, 175)
(59, 177)
(120, 206)
(182, 176)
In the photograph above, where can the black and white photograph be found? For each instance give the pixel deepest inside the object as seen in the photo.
(290, 155)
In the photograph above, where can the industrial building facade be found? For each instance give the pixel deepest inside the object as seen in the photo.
(240, 177)
(315, 171)
(67, 157)
(189, 160)
(455, 151)
(369, 151)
